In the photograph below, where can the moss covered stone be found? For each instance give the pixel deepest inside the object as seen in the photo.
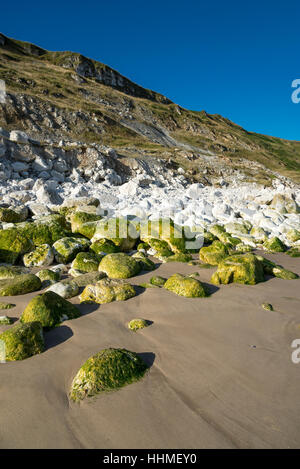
(274, 245)
(22, 341)
(293, 252)
(48, 277)
(119, 265)
(145, 263)
(259, 234)
(12, 271)
(270, 268)
(161, 248)
(108, 370)
(49, 309)
(166, 230)
(236, 228)
(5, 321)
(158, 281)
(104, 246)
(136, 324)
(214, 253)
(66, 249)
(7, 215)
(267, 306)
(293, 235)
(185, 286)
(24, 283)
(4, 305)
(106, 291)
(120, 231)
(86, 262)
(84, 223)
(243, 248)
(246, 269)
(42, 256)
(88, 279)
(13, 244)
(143, 247)
(179, 257)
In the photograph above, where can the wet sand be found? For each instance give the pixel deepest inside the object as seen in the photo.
(221, 373)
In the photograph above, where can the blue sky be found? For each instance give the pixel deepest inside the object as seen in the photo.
(233, 58)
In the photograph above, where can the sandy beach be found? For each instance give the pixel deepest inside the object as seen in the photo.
(221, 373)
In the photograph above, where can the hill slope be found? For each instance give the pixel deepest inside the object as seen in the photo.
(64, 95)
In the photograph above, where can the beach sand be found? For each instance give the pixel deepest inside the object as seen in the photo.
(221, 373)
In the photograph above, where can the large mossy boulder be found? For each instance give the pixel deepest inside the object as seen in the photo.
(120, 231)
(119, 265)
(108, 370)
(185, 286)
(84, 223)
(12, 271)
(106, 291)
(214, 253)
(246, 269)
(49, 309)
(42, 256)
(85, 262)
(13, 244)
(274, 245)
(66, 249)
(161, 248)
(166, 230)
(104, 246)
(20, 285)
(22, 341)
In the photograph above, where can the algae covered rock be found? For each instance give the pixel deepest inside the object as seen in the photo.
(166, 230)
(22, 341)
(66, 249)
(270, 268)
(274, 245)
(119, 265)
(145, 263)
(24, 283)
(5, 321)
(267, 306)
(12, 271)
(246, 269)
(120, 231)
(108, 370)
(4, 305)
(293, 235)
(214, 253)
(13, 244)
(42, 256)
(160, 248)
(179, 257)
(49, 309)
(84, 223)
(86, 262)
(7, 215)
(236, 228)
(106, 291)
(185, 286)
(158, 281)
(104, 246)
(136, 324)
(293, 252)
(66, 288)
(48, 277)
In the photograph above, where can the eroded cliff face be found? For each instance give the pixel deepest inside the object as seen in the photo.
(65, 99)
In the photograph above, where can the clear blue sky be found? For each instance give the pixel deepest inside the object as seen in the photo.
(233, 58)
